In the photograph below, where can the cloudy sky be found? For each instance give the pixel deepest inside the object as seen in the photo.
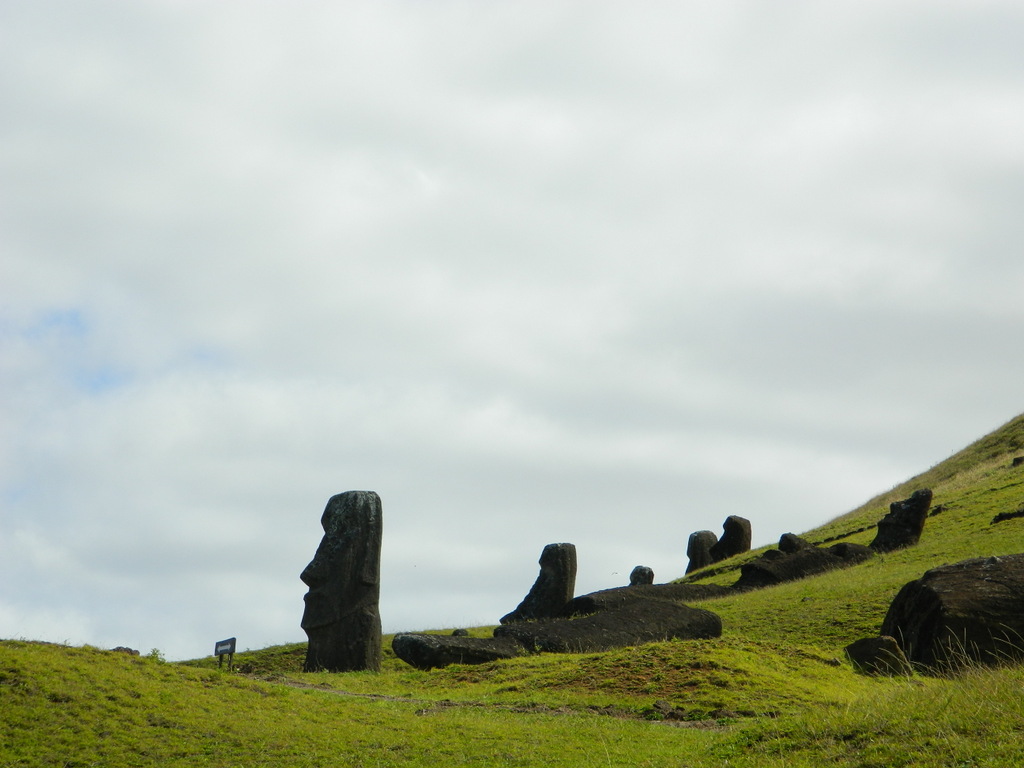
(602, 273)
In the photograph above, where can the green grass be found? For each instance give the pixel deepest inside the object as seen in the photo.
(974, 719)
(82, 707)
(774, 690)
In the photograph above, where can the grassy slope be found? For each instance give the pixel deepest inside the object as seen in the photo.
(970, 487)
(773, 690)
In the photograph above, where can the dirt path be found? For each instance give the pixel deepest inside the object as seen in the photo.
(662, 713)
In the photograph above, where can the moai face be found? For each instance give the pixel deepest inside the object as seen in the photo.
(341, 614)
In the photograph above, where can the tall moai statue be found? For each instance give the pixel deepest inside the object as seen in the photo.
(342, 617)
(903, 526)
(554, 586)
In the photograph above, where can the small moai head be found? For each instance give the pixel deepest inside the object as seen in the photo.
(641, 575)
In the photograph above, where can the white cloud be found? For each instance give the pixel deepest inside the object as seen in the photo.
(556, 272)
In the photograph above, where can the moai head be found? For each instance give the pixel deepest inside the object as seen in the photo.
(642, 574)
(341, 616)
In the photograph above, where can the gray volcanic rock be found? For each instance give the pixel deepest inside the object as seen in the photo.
(971, 611)
(903, 526)
(776, 566)
(642, 621)
(735, 538)
(790, 542)
(1003, 516)
(553, 588)
(698, 550)
(342, 618)
(619, 597)
(641, 575)
(878, 656)
(432, 651)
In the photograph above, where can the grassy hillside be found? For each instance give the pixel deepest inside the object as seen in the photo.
(773, 690)
(969, 490)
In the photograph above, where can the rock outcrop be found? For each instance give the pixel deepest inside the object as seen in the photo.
(968, 612)
(432, 651)
(1004, 516)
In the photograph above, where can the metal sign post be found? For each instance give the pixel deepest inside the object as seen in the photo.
(222, 647)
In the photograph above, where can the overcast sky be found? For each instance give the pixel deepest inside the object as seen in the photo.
(534, 272)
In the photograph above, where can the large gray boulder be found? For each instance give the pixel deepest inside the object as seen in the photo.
(635, 623)
(880, 656)
(432, 651)
(619, 597)
(956, 615)
(553, 588)
(790, 542)
(775, 566)
(341, 617)
(903, 526)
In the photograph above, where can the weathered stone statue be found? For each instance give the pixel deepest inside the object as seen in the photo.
(432, 651)
(642, 574)
(735, 538)
(776, 566)
(698, 549)
(879, 656)
(903, 526)
(634, 622)
(554, 586)
(961, 615)
(790, 543)
(342, 618)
